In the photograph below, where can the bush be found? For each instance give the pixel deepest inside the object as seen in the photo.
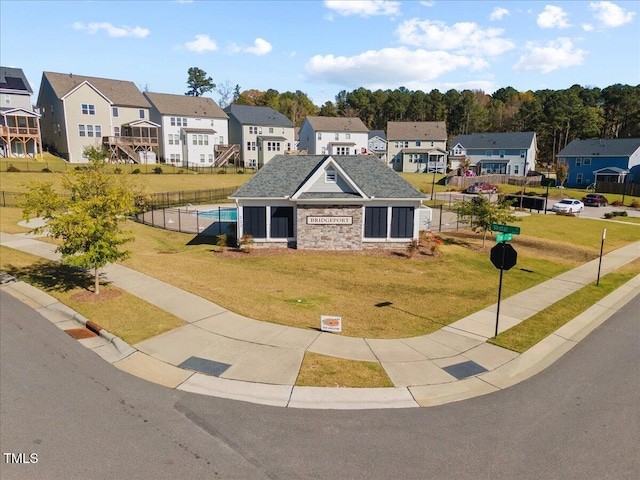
(246, 242)
(157, 170)
(46, 170)
(240, 171)
(616, 214)
(117, 170)
(136, 171)
(634, 204)
(222, 240)
(221, 172)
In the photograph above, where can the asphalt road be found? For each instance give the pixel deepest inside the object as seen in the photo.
(579, 419)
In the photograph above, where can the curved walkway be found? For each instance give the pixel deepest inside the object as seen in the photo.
(225, 354)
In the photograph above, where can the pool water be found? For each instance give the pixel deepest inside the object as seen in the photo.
(221, 215)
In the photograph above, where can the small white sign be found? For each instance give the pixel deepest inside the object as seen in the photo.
(329, 220)
(330, 324)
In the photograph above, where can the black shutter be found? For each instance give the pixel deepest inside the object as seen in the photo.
(375, 222)
(255, 221)
(401, 222)
(281, 222)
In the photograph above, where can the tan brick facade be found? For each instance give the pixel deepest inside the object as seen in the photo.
(329, 237)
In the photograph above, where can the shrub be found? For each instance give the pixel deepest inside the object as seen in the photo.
(221, 172)
(136, 171)
(11, 168)
(46, 170)
(222, 240)
(634, 204)
(412, 248)
(246, 242)
(240, 171)
(157, 170)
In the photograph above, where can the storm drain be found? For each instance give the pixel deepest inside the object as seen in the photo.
(464, 369)
(6, 279)
(79, 333)
(203, 365)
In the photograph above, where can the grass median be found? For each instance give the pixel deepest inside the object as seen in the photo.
(531, 331)
(115, 310)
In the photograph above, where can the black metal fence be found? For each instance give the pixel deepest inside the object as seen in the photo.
(214, 222)
(155, 201)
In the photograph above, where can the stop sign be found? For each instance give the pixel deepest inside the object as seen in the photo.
(504, 256)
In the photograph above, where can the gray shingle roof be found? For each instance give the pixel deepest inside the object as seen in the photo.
(416, 131)
(283, 176)
(168, 104)
(120, 92)
(252, 115)
(615, 147)
(521, 140)
(377, 133)
(337, 124)
(14, 79)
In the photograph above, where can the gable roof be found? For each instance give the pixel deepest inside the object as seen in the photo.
(119, 92)
(337, 124)
(168, 104)
(377, 133)
(284, 175)
(252, 115)
(13, 79)
(614, 147)
(505, 140)
(416, 131)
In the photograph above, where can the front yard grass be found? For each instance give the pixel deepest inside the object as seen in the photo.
(115, 310)
(526, 334)
(323, 371)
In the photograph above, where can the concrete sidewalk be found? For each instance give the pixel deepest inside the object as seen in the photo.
(225, 354)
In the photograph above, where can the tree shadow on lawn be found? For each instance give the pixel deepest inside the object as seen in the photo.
(203, 240)
(52, 276)
(391, 305)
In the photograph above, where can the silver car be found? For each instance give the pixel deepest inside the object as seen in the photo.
(568, 205)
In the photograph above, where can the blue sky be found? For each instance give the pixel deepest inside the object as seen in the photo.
(322, 47)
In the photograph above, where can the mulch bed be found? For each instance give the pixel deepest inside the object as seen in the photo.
(87, 296)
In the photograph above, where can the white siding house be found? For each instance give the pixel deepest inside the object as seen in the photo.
(334, 136)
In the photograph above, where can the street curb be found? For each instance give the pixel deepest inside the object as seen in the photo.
(525, 366)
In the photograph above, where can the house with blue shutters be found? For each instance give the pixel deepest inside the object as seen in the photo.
(509, 153)
(325, 202)
(612, 160)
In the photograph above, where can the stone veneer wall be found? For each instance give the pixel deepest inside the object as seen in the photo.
(329, 237)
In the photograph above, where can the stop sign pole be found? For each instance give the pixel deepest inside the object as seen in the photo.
(504, 257)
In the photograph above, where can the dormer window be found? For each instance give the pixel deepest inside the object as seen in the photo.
(330, 176)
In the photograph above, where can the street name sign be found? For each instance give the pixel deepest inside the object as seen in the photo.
(496, 227)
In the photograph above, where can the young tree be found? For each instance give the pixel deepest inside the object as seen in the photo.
(88, 219)
(226, 94)
(483, 213)
(198, 82)
(562, 172)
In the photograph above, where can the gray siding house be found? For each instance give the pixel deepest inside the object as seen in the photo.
(261, 132)
(324, 202)
(511, 153)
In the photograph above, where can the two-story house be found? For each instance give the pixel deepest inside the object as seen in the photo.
(79, 111)
(510, 153)
(261, 132)
(378, 144)
(193, 129)
(19, 124)
(417, 146)
(334, 136)
(613, 160)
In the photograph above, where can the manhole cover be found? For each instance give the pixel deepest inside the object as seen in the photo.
(203, 365)
(79, 333)
(464, 369)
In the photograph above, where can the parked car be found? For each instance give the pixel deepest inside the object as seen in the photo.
(568, 205)
(595, 200)
(480, 187)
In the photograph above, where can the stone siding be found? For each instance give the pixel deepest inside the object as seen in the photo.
(329, 237)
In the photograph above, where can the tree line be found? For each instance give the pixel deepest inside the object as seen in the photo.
(557, 116)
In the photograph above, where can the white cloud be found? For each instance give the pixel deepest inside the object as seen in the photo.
(610, 14)
(260, 47)
(499, 13)
(464, 37)
(587, 27)
(388, 68)
(426, 3)
(363, 8)
(553, 17)
(112, 31)
(201, 44)
(559, 53)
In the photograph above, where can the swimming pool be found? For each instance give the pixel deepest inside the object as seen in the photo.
(220, 214)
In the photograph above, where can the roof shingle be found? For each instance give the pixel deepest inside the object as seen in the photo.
(416, 131)
(168, 104)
